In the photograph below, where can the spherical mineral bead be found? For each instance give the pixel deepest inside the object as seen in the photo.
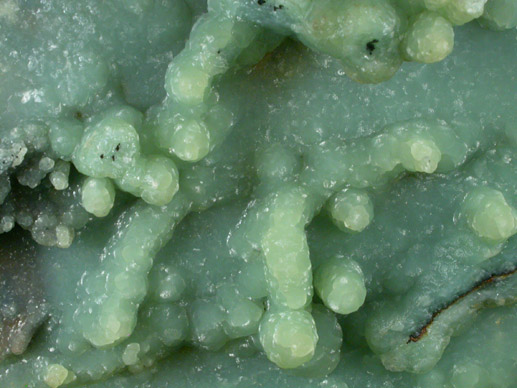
(328, 350)
(130, 355)
(191, 141)
(43, 229)
(160, 181)
(115, 322)
(363, 34)
(339, 282)
(64, 236)
(186, 83)
(6, 224)
(351, 210)
(98, 196)
(107, 149)
(46, 164)
(59, 180)
(59, 177)
(57, 375)
(289, 338)
(420, 155)
(430, 38)
(489, 214)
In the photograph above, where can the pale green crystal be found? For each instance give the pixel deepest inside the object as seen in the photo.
(489, 215)
(288, 338)
(430, 38)
(57, 376)
(266, 219)
(340, 284)
(98, 196)
(351, 210)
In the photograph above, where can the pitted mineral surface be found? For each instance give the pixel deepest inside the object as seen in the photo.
(241, 193)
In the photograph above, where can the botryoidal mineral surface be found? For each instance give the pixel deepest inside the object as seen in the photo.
(241, 193)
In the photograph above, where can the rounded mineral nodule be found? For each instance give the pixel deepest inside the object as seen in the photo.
(289, 338)
(339, 282)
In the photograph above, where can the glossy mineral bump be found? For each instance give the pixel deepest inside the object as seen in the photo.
(279, 193)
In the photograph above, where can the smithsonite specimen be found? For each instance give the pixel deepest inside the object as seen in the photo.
(241, 193)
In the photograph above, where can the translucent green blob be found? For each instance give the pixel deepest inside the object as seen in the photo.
(107, 149)
(328, 350)
(285, 249)
(191, 141)
(339, 282)
(130, 355)
(57, 375)
(188, 85)
(351, 210)
(159, 182)
(244, 144)
(364, 35)
(98, 196)
(489, 215)
(124, 273)
(288, 338)
(430, 38)
(60, 174)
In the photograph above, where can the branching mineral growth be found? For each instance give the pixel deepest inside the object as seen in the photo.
(245, 193)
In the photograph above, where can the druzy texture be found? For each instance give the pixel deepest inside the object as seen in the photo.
(240, 193)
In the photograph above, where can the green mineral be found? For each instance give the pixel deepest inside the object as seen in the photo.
(258, 193)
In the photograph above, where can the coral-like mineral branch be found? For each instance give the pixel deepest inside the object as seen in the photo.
(224, 174)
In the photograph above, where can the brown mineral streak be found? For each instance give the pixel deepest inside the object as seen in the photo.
(493, 278)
